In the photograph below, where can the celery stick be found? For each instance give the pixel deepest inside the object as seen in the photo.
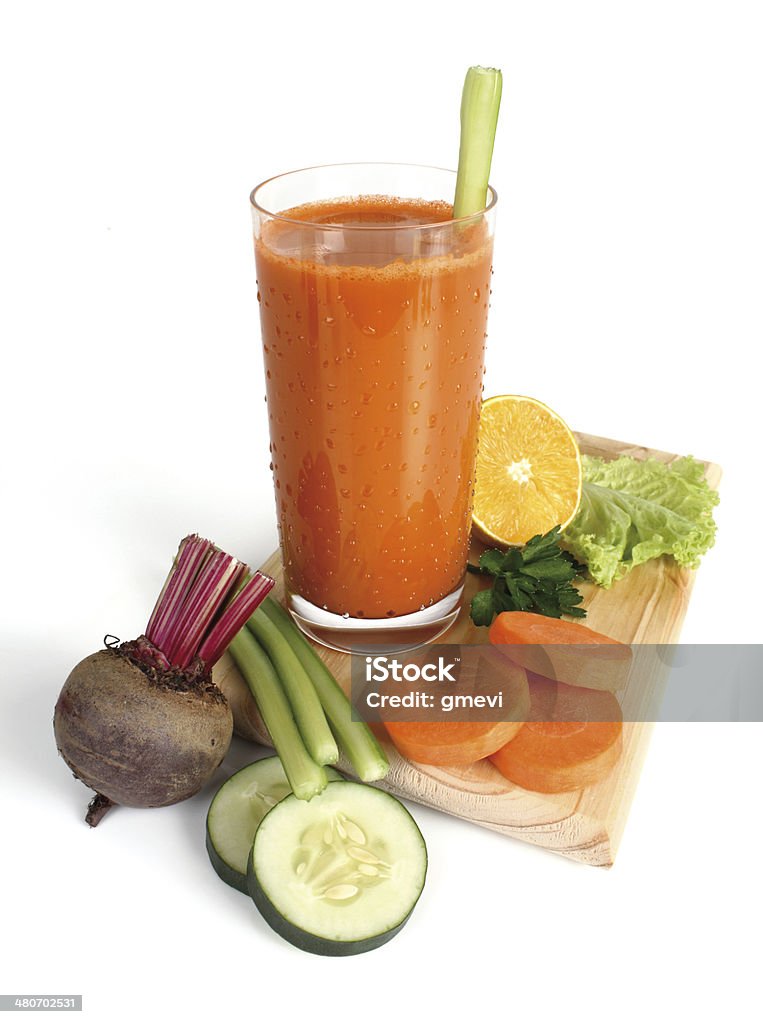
(480, 101)
(355, 738)
(306, 778)
(305, 705)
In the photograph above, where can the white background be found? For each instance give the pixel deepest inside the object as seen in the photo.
(626, 296)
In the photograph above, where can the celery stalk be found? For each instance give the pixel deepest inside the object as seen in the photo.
(480, 102)
(305, 704)
(355, 738)
(306, 778)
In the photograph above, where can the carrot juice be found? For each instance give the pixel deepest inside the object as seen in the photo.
(373, 313)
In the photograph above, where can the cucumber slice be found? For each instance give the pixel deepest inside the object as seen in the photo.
(236, 810)
(339, 874)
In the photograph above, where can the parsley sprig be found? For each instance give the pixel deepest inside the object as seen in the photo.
(535, 578)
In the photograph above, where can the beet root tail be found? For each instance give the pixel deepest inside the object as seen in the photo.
(96, 809)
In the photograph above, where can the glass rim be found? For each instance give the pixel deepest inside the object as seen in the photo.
(492, 199)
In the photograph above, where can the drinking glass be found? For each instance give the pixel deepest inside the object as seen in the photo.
(373, 306)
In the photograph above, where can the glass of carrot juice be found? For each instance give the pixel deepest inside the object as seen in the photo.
(373, 305)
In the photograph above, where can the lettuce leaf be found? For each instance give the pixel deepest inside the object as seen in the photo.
(633, 510)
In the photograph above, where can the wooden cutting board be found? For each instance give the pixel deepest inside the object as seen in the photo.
(648, 606)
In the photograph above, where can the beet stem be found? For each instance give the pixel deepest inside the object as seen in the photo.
(193, 553)
(210, 592)
(243, 605)
(202, 604)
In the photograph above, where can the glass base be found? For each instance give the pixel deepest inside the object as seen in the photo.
(367, 636)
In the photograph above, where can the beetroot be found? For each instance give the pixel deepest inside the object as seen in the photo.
(142, 723)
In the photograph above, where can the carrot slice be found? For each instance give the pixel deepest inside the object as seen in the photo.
(447, 743)
(567, 652)
(531, 628)
(552, 753)
(450, 743)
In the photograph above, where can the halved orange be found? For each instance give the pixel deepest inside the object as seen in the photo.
(529, 475)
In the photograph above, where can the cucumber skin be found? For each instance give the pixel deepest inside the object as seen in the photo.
(306, 940)
(225, 871)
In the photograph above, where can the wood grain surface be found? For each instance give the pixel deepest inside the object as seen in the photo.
(648, 606)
